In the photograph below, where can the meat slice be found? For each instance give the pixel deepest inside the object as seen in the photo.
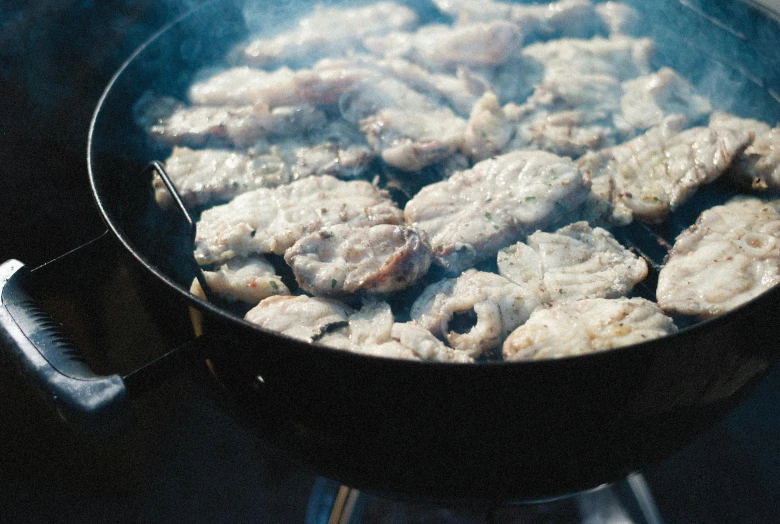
(301, 317)
(729, 256)
(327, 32)
(272, 220)
(497, 306)
(409, 130)
(247, 280)
(243, 85)
(573, 18)
(489, 129)
(648, 99)
(444, 48)
(476, 212)
(621, 57)
(649, 176)
(171, 122)
(373, 331)
(574, 263)
(569, 115)
(758, 167)
(587, 326)
(342, 259)
(620, 18)
(459, 90)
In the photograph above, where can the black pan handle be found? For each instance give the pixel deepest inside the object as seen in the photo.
(44, 356)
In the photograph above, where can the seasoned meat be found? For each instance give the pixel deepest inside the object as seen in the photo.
(272, 220)
(573, 18)
(498, 305)
(476, 212)
(649, 98)
(587, 326)
(444, 48)
(649, 176)
(619, 56)
(409, 130)
(169, 121)
(247, 280)
(729, 256)
(301, 317)
(758, 167)
(574, 263)
(329, 31)
(343, 259)
(239, 86)
(489, 129)
(208, 176)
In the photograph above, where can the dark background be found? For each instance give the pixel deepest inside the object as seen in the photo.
(184, 459)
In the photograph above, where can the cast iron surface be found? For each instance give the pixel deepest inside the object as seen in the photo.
(484, 432)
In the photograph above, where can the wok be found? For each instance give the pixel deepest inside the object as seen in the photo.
(478, 433)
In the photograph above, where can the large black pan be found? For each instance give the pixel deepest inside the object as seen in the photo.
(487, 432)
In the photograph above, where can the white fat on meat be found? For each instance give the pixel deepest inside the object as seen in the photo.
(342, 259)
(208, 176)
(587, 326)
(497, 304)
(168, 121)
(409, 130)
(272, 220)
(243, 85)
(301, 317)
(328, 31)
(573, 263)
(729, 256)
(648, 99)
(650, 176)
(758, 167)
(476, 212)
(444, 48)
(247, 280)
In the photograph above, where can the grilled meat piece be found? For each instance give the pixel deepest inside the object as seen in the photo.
(243, 85)
(409, 130)
(587, 326)
(171, 122)
(209, 176)
(444, 48)
(572, 18)
(247, 280)
(301, 317)
(648, 99)
(497, 304)
(758, 167)
(574, 263)
(272, 220)
(476, 212)
(649, 176)
(729, 256)
(343, 259)
(327, 32)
